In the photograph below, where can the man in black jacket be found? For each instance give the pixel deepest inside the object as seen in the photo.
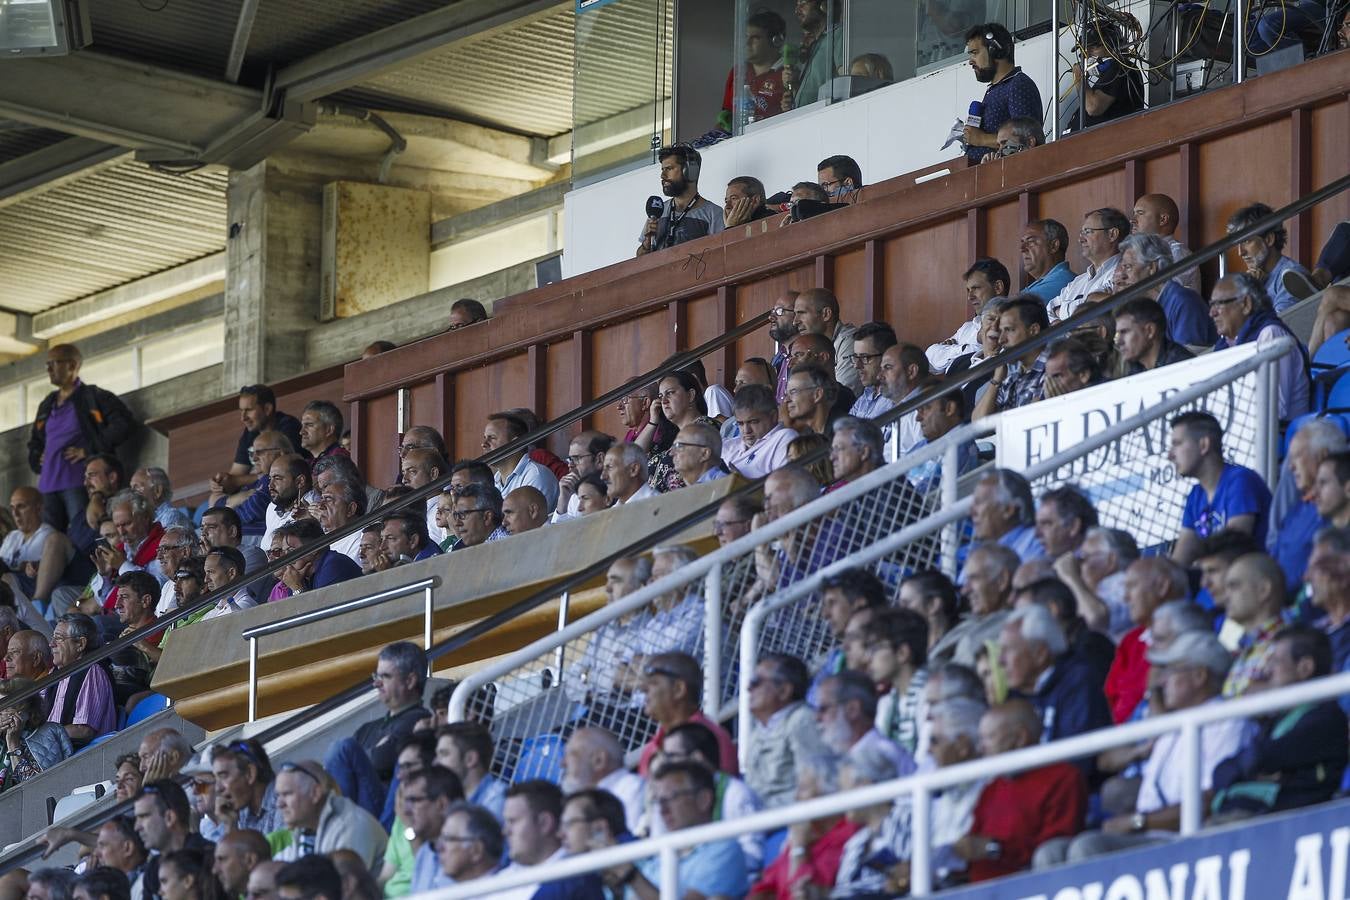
(74, 422)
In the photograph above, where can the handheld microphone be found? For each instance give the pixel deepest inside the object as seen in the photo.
(975, 115)
(655, 207)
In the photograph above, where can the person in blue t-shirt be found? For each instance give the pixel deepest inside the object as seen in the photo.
(1043, 246)
(1227, 496)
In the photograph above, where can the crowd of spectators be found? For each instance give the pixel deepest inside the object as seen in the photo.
(1055, 626)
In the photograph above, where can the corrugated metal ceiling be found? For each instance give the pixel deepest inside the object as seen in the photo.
(17, 139)
(195, 35)
(113, 226)
(520, 78)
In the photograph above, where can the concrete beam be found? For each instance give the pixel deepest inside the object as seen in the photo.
(432, 143)
(16, 335)
(53, 166)
(121, 102)
(349, 64)
(130, 297)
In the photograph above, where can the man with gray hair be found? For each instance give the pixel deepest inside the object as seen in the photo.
(856, 449)
(762, 443)
(624, 471)
(1002, 511)
(1144, 255)
(321, 430)
(152, 483)
(139, 536)
(341, 501)
(1243, 313)
(955, 739)
(175, 546)
(1099, 240)
(1044, 244)
(1293, 525)
(82, 702)
(987, 587)
(846, 712)
(52, 884)
(697, 454)
(1096, 575)
(593, 760)
(604, 676)
(1036, 662)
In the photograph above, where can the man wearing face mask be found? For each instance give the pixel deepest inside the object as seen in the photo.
(1015, 135)
(1011, 92)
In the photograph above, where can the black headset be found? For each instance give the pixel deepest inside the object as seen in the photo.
(689, 161)
(996, 48)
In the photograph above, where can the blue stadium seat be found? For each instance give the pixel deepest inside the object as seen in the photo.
(1338, 398)
(1333, 355)
(146, 708)
(540, 757)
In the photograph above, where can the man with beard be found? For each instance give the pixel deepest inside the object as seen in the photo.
(1011, 91)
(686, 215)
(287, 482)
(782, 329)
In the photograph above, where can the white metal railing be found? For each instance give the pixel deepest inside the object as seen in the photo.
(1267, 419)
(709, 567)
(921, 788)
(423, 586)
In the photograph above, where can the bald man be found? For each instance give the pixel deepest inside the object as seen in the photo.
(237, 855)
(1254, 595)
(36, 553)
(524, 509)
(593, 759)
(421, 466)
(1158, 214)
(1149, 583)
(1017, 813)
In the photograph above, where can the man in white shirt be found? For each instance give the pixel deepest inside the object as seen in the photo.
(1190, 672)
(419, 468)
(35, 553)
(763, 441)
(339, 503)
(585, 454)
(287, 481)
(986, 282)
(593, 758)
(624, 472)
(225, 566)
(175, 546)
(1099, 239)
(904, 368)
(516, 470)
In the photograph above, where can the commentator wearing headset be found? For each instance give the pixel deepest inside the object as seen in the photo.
(1011, 92)
(686, 215)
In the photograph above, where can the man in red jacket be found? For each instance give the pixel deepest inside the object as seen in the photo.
(1149, 583)
(1017, 813)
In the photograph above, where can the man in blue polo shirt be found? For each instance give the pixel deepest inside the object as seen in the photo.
(1043, 246)
(1011, 91)
(1226, 497)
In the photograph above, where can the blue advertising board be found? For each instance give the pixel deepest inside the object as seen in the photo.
(1297, 855)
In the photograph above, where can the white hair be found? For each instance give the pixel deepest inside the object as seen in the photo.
(960, 716)
(1038, 626)
(1321, 436)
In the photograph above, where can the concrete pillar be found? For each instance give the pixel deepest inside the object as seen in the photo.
(272, 273)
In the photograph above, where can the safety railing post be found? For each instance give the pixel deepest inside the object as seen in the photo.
(950, 473)
(426, 623)
(560, 655)
(712, 643)
(1268, 417)
(253, 679)
(670, 874)
(921, 844)
(1191, 813)
(745, 672)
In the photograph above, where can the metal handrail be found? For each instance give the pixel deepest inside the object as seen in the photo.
(922, 786)
(425, 586)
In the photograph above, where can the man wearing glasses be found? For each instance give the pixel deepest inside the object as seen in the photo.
(470, 844)
(684, 793)
(1099, 240)
(477, 517)
(870, 341)
(697, 454)
(427, 798)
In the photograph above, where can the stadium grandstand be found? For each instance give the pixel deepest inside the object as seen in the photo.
(940, 486)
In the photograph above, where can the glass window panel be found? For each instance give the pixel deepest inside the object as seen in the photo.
(183, 351)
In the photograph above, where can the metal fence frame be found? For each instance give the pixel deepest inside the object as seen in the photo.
(945, 448)
(921, 788)
(1263, 363)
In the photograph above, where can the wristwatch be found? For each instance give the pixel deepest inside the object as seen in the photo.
(1138, 822)
(992, 849)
